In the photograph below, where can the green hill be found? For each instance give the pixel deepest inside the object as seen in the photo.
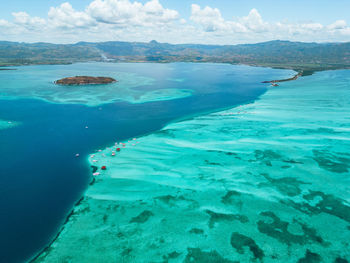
(280, 54)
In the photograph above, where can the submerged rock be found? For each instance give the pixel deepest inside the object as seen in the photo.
(84, 80)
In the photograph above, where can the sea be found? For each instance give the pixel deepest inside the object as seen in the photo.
(48, 131)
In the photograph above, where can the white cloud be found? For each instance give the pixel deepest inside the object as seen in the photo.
(125, 13)
(131, 20)
(28, 22)
(339, 24)
(252, 28)
(5, 24)
(211, 20)
(254, 22)
(312, 26)
(65, 17)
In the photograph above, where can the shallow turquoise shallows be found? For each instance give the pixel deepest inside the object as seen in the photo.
(265, 182)
(6, 124)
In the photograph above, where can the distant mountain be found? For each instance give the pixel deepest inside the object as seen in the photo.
(280, 54)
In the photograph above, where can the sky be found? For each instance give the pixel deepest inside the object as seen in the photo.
(175, 21)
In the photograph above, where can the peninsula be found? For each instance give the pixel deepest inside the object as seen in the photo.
(84, 80)
(295, 77)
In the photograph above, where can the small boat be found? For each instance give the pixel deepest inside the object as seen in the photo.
(104, 168)
(113, 153)
(95, 174)
(77, 155)
(118, 149)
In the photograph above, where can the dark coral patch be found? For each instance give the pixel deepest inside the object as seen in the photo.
(291, 161)
(126, 252)
(278, 229)
(239, 241)
(217, 217)
(169, 199)
(196, 255)
(178, 201)
(340, 260)
(267, 154)
(266, 157)
(331, 162)
(171, 256)
(310, 257)
(328, 204)
(286, 185)
(142, 218)
(230, 195)
(211, 163)
(196, 231)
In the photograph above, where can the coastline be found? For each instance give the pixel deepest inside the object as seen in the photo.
(94, 168)
(36, 258)
(174, 125)
(93, 179)
(61, 229)
(295, 77)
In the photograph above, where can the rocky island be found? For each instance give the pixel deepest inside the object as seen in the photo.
(84, 80)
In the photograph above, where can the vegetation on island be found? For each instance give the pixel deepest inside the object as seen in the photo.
(84, 80)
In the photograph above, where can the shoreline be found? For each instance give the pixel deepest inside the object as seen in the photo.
(61, 229)
(277, 185)
(67, 218)
(93, 179)
(295, 77)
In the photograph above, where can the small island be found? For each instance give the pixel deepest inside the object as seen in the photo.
(85, 80)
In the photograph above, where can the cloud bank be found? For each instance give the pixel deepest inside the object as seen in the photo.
(125, 20)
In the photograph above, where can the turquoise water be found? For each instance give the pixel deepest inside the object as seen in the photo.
(264, 182)
(6, 124)
(40, 176)
(41, 85)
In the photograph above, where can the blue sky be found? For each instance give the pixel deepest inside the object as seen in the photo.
(324, 11)
(223, 22)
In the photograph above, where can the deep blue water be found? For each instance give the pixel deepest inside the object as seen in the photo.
(40, 177)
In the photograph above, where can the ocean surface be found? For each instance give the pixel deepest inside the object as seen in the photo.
(267, 181)
(43, 127)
